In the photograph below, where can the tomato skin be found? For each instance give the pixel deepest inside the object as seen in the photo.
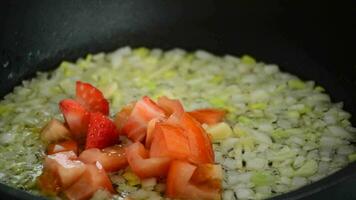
(123, 115)
(142, 165)
(169, 141)
(199, 142)
(68, 145)
(76, 117)
(111, 158)
(93, 179)
(208, 115)
(179, 184)
(102, 132)
(91, 98)
(144, 111)
(170, 106)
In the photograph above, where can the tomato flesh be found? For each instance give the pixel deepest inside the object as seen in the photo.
(151, 126)
(199, 142)
(144, 111)
(93, 179)
(208, 115)
(170, 106)
(55, 131)
(60, 171)
(180, 186)
(123, 115)
(111, 158)
(142, 165)
(169, 141)
(69, 145)
(208, 176)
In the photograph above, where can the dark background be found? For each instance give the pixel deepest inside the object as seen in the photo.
(312, 39)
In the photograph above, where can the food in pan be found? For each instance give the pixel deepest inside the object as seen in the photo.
(270, 132)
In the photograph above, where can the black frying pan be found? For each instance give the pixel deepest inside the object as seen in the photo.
(314, 40)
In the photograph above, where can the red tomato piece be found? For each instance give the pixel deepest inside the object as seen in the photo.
(170, 106)
(123, 115)
(208, 115)
(91, 98)
(102, 132)
(142, 165)
(48, 182)
(144, 111)
(93, 179)
(179, 184)
(208, 176)
(150, 130)
(111, 158)
(169, 141)
(69, 145)
(55, 131)
(76, 117)
(199, 142)
(60, 171)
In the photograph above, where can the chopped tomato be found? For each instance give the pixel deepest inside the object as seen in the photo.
(169, 141)
(208, 115)
(150, 129)
(199, 142)
(208, 176)
(144, 111)
(91, 98)
(179, 184)
(49, 183)
(142, 165)
(69, 145)
(123, 115)
(102, 132)
(93, 179)
(111, 158)
(76, 117)
(170, 106)
(60, 171)
(54, 131)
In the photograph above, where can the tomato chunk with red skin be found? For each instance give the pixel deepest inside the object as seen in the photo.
(144, 111)
(93, 179)
(123, 115)
(91, 98)
(142, 165)
(102, 132)
(208, 115)
(111, 158)
(170, 106)
(179, 184)
(68, 145)
(199, 142)
(76, 117)
(169, 141)
(60, 171)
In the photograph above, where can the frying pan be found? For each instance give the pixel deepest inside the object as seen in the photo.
(312, 39)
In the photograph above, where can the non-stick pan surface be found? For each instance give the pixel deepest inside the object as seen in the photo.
(312, 39)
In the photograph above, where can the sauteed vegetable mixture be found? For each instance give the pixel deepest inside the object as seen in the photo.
(153, 124)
